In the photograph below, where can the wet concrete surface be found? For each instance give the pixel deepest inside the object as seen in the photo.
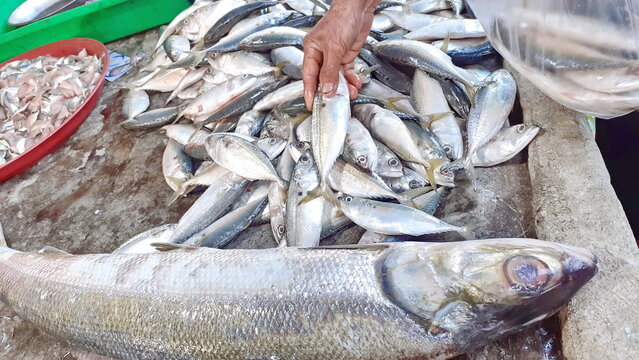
(105, 185)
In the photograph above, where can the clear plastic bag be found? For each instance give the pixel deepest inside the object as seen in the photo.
(582, 53)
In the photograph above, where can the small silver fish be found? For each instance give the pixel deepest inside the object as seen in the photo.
(505, 145)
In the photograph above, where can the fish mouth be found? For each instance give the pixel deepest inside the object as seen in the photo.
(581, 266)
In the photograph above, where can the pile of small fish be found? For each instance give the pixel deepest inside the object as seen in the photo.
(37, 96)
(233, 69)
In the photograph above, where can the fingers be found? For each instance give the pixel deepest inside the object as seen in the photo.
(352, 91)
(310, 73)
(329, 75)
(351, 75)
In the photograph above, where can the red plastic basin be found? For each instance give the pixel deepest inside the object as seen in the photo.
(59, 135)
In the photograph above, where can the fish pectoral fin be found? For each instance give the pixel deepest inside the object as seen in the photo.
(52, 250)
(163, 247)
(312, 195)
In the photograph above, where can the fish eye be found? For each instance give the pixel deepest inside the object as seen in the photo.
(413, 184)
(445, 172)
(393, 162)
(348, 199)
(521, 128)
(299, 145)
(304, 159)
(526, 273)
(362, 159)
(448, 149)
(272, 141)
(280, 230)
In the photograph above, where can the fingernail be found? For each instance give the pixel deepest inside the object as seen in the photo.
(327, 88)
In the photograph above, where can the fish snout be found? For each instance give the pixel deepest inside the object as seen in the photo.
(581, 265)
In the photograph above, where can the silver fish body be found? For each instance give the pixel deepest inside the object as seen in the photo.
(410, 180)
(272, 38)
(208, 102)
(411, 20)
(177, 167)
(393, 219)
(290, 58)
(423, 56)
(347, 179)
(447, 130)
(359, 146)
(287, 92)
(250, 123)
(224, 230)
(210, 206)
(493, 104)
(388, 164)
(453, 28)
(135, 103)
(242, 302)
(241, 157)
(329, 124)
(505, 145)
(152, 119)
(176, 46)
(304, 220)
(141, 243)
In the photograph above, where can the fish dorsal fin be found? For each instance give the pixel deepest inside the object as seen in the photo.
(370, 247)
(164, 247)
(52, 250)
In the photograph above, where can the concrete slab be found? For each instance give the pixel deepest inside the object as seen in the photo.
(574, 203)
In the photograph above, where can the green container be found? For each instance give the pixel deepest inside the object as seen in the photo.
(104, 20)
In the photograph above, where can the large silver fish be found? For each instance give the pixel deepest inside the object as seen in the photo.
(429, 300)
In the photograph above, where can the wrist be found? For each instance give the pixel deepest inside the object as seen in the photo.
(365, 7)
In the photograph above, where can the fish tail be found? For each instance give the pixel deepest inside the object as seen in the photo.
(282, 183)
(470, 91)
(466, 233)
(406, 200)
(183, 191)
(198, 46)
(127, 121)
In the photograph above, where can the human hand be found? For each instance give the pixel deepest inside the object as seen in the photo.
(332, 47)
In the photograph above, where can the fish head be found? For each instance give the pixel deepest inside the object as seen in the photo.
(520, 135)
(297, 148)
(444, 175)
(472, 292)
(305, 172)
(271, 146)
